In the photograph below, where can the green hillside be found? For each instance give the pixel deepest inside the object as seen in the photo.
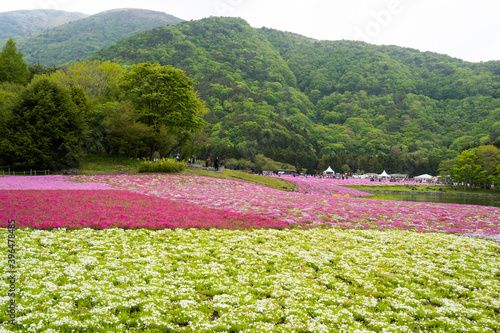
(79, 39)
(251, 92)
(377, 98)
(294, 98)
(23, 23)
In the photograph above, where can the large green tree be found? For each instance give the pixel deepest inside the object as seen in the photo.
(12, 66)
(43, 130)
(164, 99)
(468, 167)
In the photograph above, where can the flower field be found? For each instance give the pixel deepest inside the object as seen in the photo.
(174, 253)
(74, 209)
(315, 208)
(194, 280)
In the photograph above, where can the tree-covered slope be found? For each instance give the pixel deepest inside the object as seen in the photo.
(77, 40)
(23, 23)
(372, 98)
(250, 91)
(339, 66)
(295, 98)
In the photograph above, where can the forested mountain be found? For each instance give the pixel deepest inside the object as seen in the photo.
(295, 98)
(23, 23)
(79, 39)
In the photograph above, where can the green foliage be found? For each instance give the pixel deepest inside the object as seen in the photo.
(125, 135)
(79, 39)
(165, 101)
(12, 66)
(99, 80)
(490, 156)
(468, 167)
(163, 165)
(44, 129)
(495, 131)
(240, 164)
(93, 85)
(263, 163)
(295, 100)
(476, 166)
(495, 177)
(8, 96)
(38, 69)
(249, 90)
(164, 95)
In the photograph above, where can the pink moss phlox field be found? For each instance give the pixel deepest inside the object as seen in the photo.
(74, 209)
(326, 186)
(47, 183)
(310, 208)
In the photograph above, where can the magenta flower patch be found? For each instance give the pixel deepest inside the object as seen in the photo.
(75, 209)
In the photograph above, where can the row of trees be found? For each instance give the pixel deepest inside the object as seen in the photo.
(50, 119)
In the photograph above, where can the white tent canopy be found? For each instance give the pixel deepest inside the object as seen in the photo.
(384, 174)
(329, 171)
(424, 176)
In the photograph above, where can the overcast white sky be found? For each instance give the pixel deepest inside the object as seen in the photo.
(466, 29)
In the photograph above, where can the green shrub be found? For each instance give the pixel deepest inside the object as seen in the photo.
(240, 164)
(163, 165)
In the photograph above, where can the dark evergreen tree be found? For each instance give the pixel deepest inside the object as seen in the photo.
(44, 129)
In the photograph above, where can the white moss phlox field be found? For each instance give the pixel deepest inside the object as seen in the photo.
(191, 280)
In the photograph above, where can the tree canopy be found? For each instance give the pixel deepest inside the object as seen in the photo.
(44, 128)
(164, 95)
(12, 66)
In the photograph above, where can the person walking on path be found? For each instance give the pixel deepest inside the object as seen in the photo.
(208, 161)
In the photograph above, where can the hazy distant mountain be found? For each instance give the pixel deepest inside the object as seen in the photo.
(79, 39)
(22, 23)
